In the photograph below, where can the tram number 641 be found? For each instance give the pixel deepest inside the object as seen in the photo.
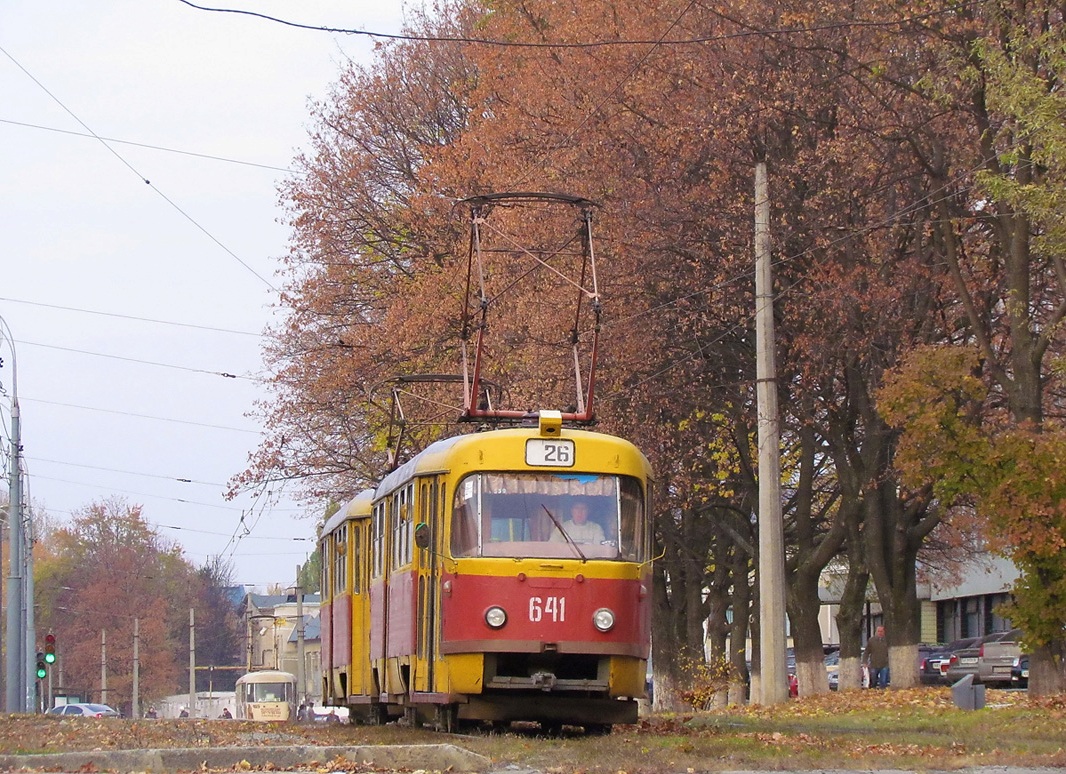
(547, 608)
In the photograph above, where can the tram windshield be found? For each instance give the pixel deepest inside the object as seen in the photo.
(552, 515)
(268, 692)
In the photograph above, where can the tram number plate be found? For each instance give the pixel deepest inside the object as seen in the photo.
(557, 452)
(547, 609)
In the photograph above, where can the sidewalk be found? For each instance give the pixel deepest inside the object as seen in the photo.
(432, 757)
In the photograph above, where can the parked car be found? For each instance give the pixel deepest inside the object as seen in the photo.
(965, 661)
(1019, 672)
(996, 658)
(832, 669)
(84, 710)
(790, 667)
(933, 667)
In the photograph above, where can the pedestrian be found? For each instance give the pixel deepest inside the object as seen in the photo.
(151, 713)
(184, 713)
(226, 714)
(876, 659)
(302, 713)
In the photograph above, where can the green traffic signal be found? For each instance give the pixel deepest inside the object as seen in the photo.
(42, 667)
(49, 650)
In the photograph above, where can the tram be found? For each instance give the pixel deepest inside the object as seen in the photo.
(266, 695)
(497, 576)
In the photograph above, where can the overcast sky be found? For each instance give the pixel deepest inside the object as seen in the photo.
(90, 254)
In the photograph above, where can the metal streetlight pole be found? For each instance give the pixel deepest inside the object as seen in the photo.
(15, 670)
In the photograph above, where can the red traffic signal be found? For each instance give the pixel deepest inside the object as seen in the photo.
(49, 649)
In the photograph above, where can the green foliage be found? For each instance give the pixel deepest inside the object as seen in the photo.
(310, 575)
(1015, 476)
(934, 397)
(1024, 76)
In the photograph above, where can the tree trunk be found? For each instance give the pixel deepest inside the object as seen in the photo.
(852, 606)
(1047, 670)
(738, 634)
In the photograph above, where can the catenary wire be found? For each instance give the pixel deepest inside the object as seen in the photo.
(224, 374)
(855, 23)
(207, 156)
(142, 416)
(130, 317)
(179, 479)
(135, 171)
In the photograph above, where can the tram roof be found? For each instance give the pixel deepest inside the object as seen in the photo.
(266, 676)
(430, 458)
(357, 506)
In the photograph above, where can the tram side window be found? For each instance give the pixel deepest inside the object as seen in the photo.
(633, 529)
(378, 540)
(465, 519)
(340, 559)
(324, 564)
(357, 560)
(403, 526)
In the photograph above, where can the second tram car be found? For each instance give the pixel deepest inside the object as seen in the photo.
(497, 576)
(266, 695)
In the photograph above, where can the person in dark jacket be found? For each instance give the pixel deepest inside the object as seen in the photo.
(876, 659)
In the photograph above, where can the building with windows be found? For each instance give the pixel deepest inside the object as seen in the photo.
(965, 605)
(273, 637)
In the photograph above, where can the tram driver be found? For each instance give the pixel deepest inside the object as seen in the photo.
(579, 528)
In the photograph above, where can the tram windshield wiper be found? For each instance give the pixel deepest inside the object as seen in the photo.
(564, 533)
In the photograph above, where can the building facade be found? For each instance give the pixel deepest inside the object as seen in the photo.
(274, 632)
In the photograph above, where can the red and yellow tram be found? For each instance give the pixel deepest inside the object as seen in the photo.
(497, 576)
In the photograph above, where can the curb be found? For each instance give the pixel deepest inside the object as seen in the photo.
(434, 757)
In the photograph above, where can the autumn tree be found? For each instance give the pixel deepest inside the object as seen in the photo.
(872, 137)
(107, 573)
(662, 153)
(219, 633)
(1000, 236)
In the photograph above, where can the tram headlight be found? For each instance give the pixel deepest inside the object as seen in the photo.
(495, 617)
(603, 619)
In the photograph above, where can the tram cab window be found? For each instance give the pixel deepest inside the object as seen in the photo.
(526, 514)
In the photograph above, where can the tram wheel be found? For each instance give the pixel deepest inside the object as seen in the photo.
(376, 715)
(410, 714)
(597, 729)
(447, 718)
(551, 728)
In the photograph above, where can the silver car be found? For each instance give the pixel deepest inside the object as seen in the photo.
(997, 656)
(84, 710)
(967, 660)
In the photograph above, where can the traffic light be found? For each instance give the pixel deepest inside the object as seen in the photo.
(49, 649)
(42, 667)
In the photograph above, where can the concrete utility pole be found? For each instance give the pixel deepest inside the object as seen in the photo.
(192, 662)
(301, 677)
(773, 679)
(29, 620)
(103, 666)
(136, 667)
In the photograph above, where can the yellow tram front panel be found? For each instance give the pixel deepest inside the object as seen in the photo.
(511, 493)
